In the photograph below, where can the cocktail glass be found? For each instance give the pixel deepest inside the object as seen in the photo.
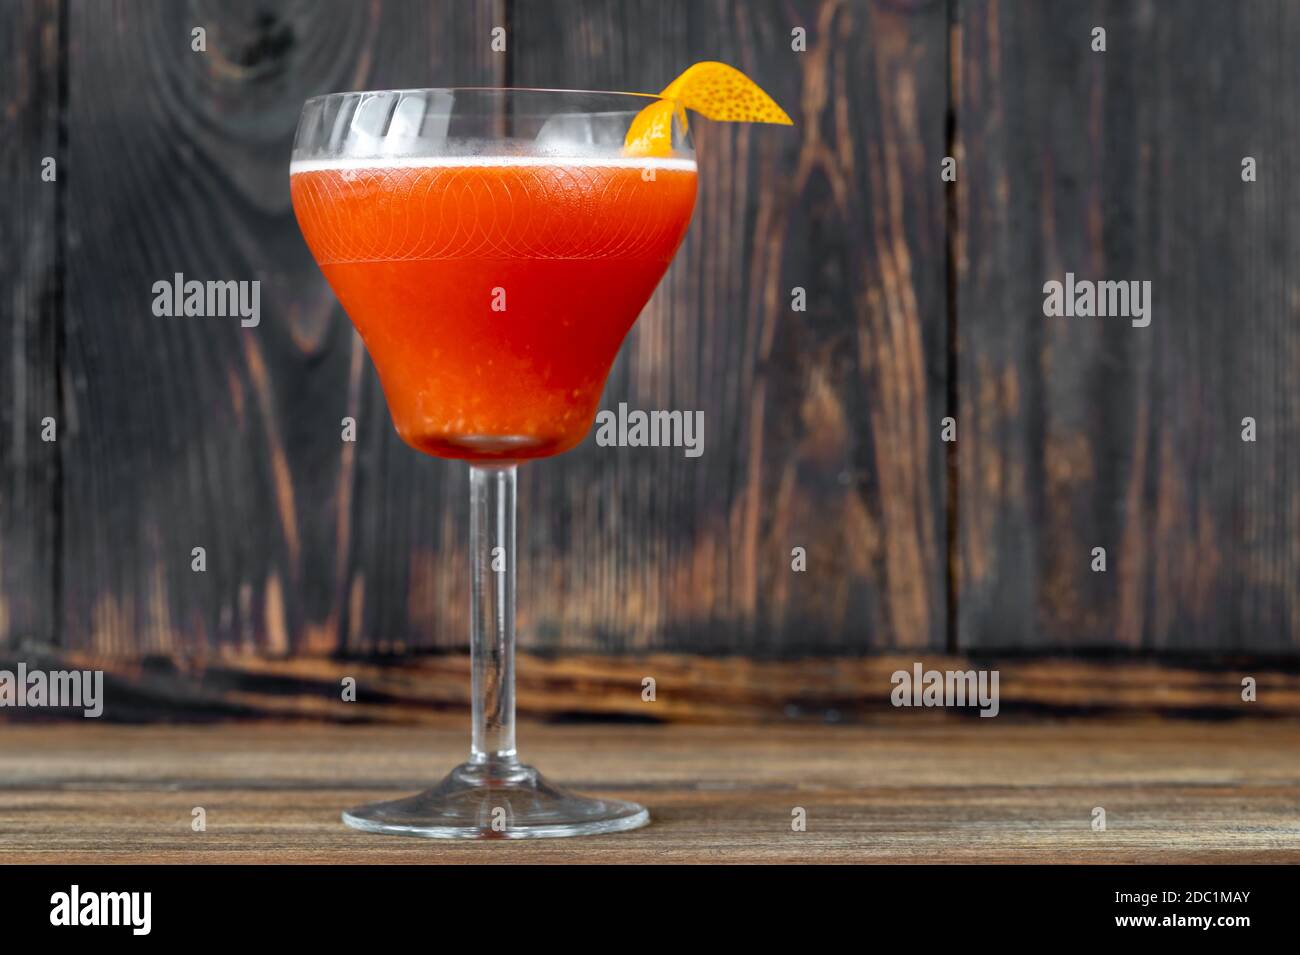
(492, 247)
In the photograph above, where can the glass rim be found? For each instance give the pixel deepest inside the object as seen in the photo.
(481, 89)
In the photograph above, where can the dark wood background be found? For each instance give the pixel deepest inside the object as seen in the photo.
(822, 428)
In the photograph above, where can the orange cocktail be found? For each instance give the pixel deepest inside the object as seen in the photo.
(493, 293)
(493, 247)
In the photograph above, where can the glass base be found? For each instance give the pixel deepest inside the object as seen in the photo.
(496, 800)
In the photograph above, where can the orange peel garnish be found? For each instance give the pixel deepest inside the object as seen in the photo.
(715, 91)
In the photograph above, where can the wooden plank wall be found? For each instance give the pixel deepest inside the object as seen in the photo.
(822, 427)
(201, 433)
(1088, 432)
(31, 302)
(821, 420)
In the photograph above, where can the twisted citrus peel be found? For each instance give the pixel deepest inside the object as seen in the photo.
(715, 91)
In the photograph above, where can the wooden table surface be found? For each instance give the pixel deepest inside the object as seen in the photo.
(947, 791)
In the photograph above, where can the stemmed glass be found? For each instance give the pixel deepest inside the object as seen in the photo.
(492, 247)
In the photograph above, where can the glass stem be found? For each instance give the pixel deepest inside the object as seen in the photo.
(492, 612)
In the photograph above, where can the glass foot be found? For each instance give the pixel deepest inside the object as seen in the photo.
(501, 800)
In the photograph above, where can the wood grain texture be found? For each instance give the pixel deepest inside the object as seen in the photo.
(1086, 432)
(688, 689)
(30, 250)
(818, 423)
(193, 432)
(821, 426)
(981, 792)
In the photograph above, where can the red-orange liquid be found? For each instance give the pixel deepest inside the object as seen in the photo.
(493, 297)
